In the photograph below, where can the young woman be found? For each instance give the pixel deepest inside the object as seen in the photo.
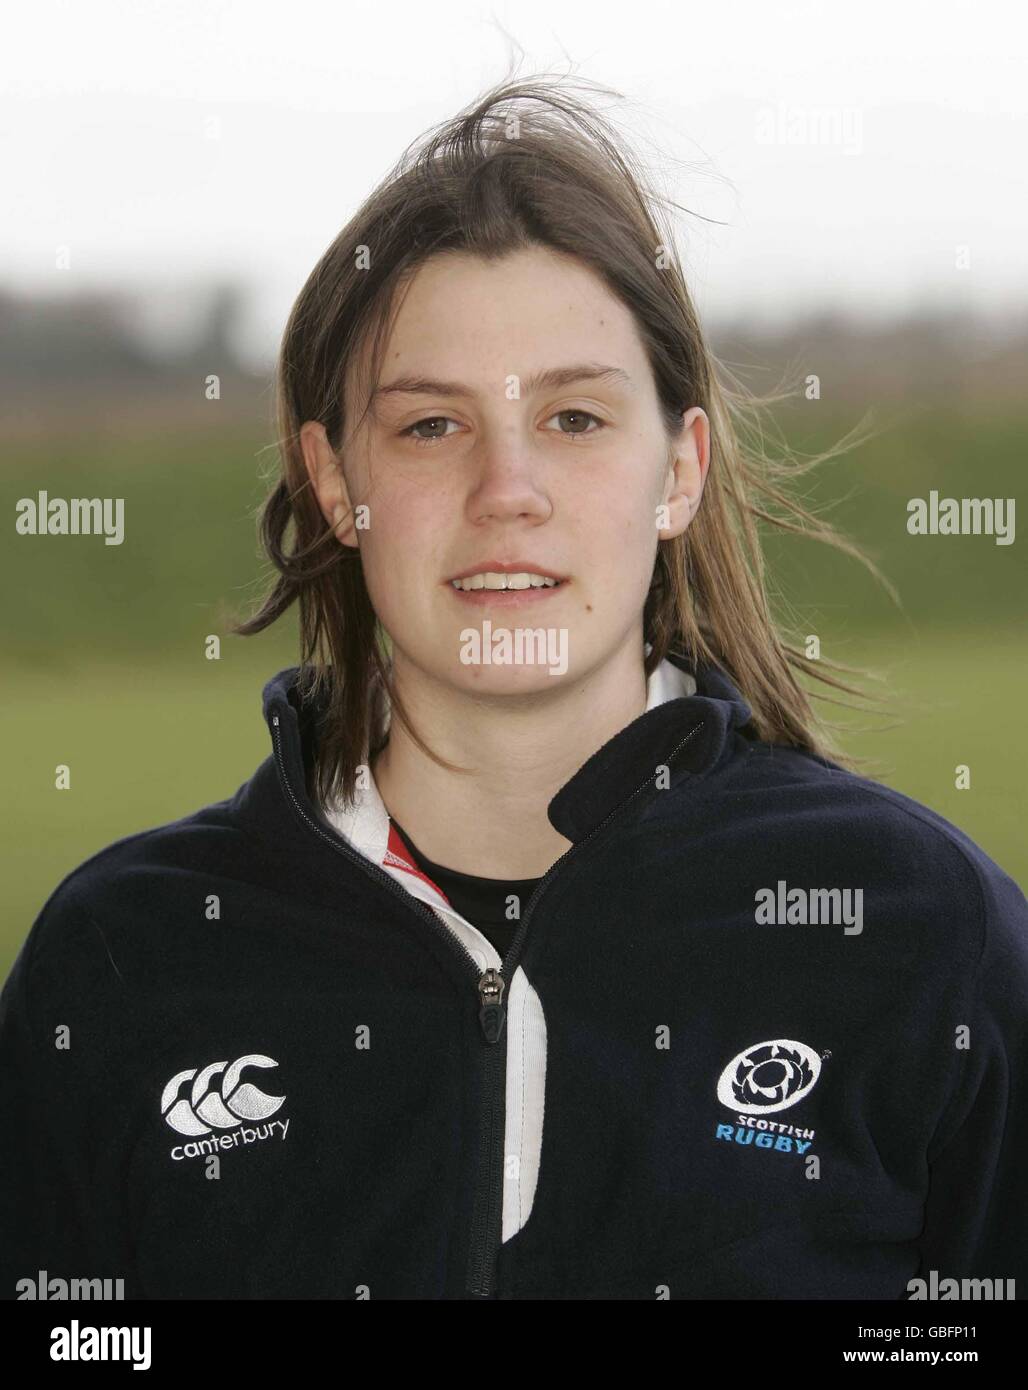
(551, 952)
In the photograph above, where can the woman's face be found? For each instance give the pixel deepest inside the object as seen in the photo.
(476, 455)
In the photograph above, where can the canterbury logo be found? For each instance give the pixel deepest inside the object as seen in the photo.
(219, 1106)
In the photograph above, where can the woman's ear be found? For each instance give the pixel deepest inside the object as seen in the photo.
(325, 470)
(687, 473)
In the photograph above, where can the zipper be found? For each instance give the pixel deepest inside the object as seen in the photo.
(487, 1225)
(486, 1221)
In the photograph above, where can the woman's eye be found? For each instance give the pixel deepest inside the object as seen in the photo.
(408, 433)
(578, 415)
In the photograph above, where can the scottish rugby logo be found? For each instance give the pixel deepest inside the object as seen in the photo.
(221, 1105)
(768, 1076)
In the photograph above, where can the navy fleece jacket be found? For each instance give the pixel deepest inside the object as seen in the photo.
(245, 1056)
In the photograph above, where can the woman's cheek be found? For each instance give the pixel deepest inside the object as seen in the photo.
(636, 545)
(388, 585)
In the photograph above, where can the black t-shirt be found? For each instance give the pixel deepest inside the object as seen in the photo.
(481, 901)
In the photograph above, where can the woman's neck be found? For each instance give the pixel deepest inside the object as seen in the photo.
(492, 821)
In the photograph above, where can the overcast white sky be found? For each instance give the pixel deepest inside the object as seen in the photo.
(168, 143)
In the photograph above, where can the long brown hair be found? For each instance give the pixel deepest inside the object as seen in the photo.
(530, 163)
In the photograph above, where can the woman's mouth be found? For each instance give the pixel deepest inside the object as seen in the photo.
(505, 589)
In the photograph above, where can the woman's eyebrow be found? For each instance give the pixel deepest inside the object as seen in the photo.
(550, 378)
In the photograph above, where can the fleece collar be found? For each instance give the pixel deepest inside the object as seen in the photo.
(688, 727)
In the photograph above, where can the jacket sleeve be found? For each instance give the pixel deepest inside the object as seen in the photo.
(56, 1219)
(976, 1214)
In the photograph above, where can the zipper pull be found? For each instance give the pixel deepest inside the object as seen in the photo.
(492, 1014)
